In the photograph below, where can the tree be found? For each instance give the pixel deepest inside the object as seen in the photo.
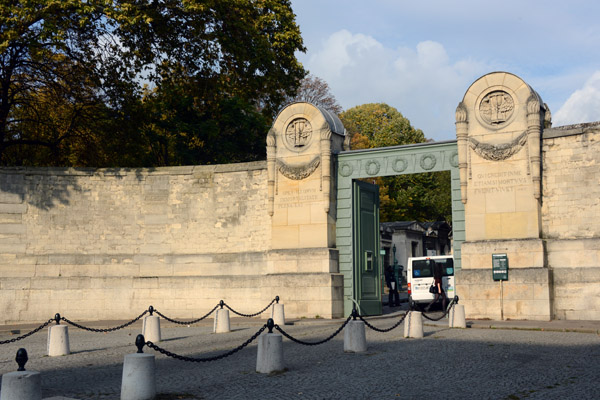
(44, 92)
(379, 125)
(419, 197)
(316, 91)
(228, 56)
(181, 130)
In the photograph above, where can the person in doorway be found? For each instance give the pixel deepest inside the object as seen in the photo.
(392, 283)
(438, 274)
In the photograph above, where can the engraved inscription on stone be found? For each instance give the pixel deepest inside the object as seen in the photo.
(496, 107)
(296, 198)
(298, 134)
(498, 182)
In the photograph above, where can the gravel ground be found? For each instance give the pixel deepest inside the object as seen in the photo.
(446, 363)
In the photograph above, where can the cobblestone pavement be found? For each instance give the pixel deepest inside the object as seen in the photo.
(445, 364)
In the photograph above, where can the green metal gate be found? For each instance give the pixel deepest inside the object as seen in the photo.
(371, 163)
(366, 251)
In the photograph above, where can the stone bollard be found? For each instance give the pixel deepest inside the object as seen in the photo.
(277, 313)
(355, 339)
(139, 374)
(58, 339)
(221, 324)
(456, 319)
(413, 325)
(270, 351)
(21, 385)
(151, 327)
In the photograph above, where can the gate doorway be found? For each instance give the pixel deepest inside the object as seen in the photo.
(357, 229)
(366, 249)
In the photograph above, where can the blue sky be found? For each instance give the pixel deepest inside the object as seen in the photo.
(421, 56)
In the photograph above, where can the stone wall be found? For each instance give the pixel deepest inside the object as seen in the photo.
(571, 182)
(498, 128)
(557, 275)
(531, 196)
(571, 218)
(107, 243)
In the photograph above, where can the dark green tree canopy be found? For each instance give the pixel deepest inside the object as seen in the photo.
(72, 75)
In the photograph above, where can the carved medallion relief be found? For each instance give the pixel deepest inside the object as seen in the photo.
(496, 108)
(298, 134)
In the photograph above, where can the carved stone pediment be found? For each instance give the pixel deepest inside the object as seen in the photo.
(499, 122)
(300, 143)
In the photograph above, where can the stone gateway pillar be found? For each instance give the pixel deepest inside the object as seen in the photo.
(301, 146)
(498, 127)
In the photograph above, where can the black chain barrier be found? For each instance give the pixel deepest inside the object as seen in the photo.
(454, 300)
(101, 330)
(184, 322)
(293, 339)
(192, 359)
(150, 310)
(39, 328)
(383, 330)
(276, 299)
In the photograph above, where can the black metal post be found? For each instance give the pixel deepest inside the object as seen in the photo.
(140, 342)
(21, 359)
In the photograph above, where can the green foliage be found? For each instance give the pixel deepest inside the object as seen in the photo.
(182, 129)
(420, 197)
(71, 74)
(416, 197)
(379, 125)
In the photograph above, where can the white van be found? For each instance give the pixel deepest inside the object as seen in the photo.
(419, 277)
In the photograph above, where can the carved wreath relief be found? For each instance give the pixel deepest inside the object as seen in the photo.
(298, 172)
(498, 152)
(496, 107)
(372, 167)
(298, 134)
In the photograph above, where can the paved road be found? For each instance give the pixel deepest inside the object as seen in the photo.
(446, 364)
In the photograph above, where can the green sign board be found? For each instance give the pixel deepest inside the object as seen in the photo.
(500, 267)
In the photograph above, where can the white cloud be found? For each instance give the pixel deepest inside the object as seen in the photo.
(582, 106)
(421, 82)
(342, 49)
(432, 54)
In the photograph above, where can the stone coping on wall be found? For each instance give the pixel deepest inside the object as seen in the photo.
(570, 130)
(117, 171)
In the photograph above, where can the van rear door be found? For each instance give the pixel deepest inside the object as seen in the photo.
(421, 280)
(448, 279)
(420, 273)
